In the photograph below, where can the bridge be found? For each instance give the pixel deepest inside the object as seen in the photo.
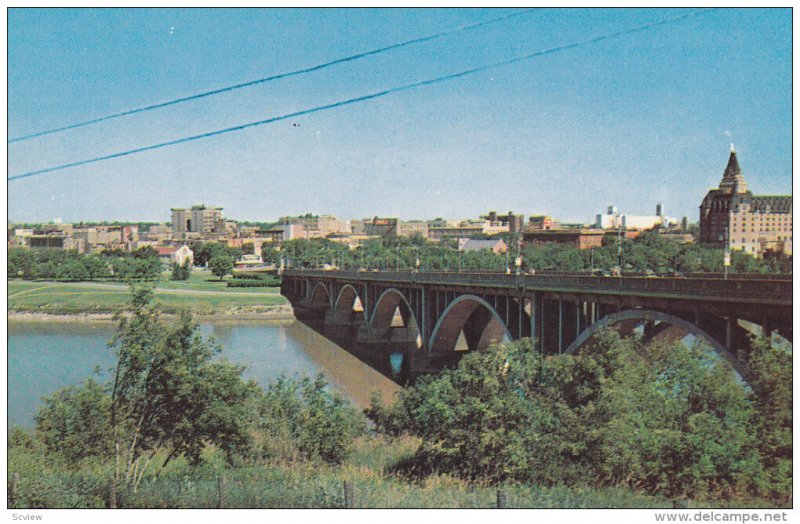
(428, 320)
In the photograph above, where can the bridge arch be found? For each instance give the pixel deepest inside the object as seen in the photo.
(320, 295)
(473, 316)
(386, 307)
(349, 302)
(673, 326)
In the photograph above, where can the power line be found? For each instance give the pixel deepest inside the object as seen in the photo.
(371, 96)
(269, 78)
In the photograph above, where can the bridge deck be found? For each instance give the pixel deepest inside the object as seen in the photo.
(752, 290)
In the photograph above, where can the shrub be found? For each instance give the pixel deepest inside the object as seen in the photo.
(236, 282)
(673, 421)
(303, 418)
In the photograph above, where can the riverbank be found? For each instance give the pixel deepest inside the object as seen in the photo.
(100, 300)
(271, 313)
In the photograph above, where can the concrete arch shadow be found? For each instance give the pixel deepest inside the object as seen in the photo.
(476, 318)
(630, 316)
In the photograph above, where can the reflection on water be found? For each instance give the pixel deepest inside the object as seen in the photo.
(44, 357)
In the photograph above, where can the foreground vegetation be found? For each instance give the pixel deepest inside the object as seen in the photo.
(618, 425)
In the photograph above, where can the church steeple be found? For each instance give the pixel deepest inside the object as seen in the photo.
(733, 179)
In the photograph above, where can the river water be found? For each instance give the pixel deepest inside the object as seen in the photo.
(44, 357)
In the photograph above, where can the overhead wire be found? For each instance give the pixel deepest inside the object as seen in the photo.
(378, 94)
(271, 78)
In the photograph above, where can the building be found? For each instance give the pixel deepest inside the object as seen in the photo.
(182, 255)
(510, 222)
(198, 219)
(411, 228)
(580, 238)
(249, 261)
(438, 233)
(496, 246)
(317, 226)
(541, 223)
(613, 220)
(382, 227)
(732, 216)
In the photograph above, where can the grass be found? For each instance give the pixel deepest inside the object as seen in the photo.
(200, 294)
(286, 484)
(203, 280)
(293, 485)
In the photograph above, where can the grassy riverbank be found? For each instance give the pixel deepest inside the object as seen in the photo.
(291, 485)
(369, 471)
(202, 293)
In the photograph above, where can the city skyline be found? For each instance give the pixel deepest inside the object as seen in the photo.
(564, 135)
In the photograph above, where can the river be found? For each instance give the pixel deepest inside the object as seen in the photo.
(44, 357)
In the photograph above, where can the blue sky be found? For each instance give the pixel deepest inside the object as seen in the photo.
(629, 121)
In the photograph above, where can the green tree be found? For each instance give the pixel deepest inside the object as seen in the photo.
(20, 263)
(770, 363)
(96, 267)
(168, 392)
(180, 272)
(668, 419)
(74, 422)
(73, 270)
(221, 265)
(303, 418)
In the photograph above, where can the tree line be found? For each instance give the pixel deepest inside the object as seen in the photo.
(649, 252)
(71, 266)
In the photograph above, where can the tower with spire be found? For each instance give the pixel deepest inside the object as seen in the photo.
(731, 216)
(733, 179)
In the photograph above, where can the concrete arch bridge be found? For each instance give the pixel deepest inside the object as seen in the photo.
(431, 319)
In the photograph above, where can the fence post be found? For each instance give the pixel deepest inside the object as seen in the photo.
(348, 495)
(12, 494)
(112, 492)
(221, 487)
(502, 499)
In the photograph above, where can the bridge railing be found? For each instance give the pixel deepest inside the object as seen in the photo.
(690, 287)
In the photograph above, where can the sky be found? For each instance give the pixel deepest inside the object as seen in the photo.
(628, 121)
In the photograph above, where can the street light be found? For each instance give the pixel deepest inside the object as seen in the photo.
(726, 257)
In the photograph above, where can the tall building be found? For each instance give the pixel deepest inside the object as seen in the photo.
(205, 219)
(731, 215)
(198, 219)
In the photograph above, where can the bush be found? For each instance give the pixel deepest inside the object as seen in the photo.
(74, 422)
(674, 422)
(304, 419)
(237, 282)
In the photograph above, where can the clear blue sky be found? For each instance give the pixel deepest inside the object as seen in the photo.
(629, 121)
